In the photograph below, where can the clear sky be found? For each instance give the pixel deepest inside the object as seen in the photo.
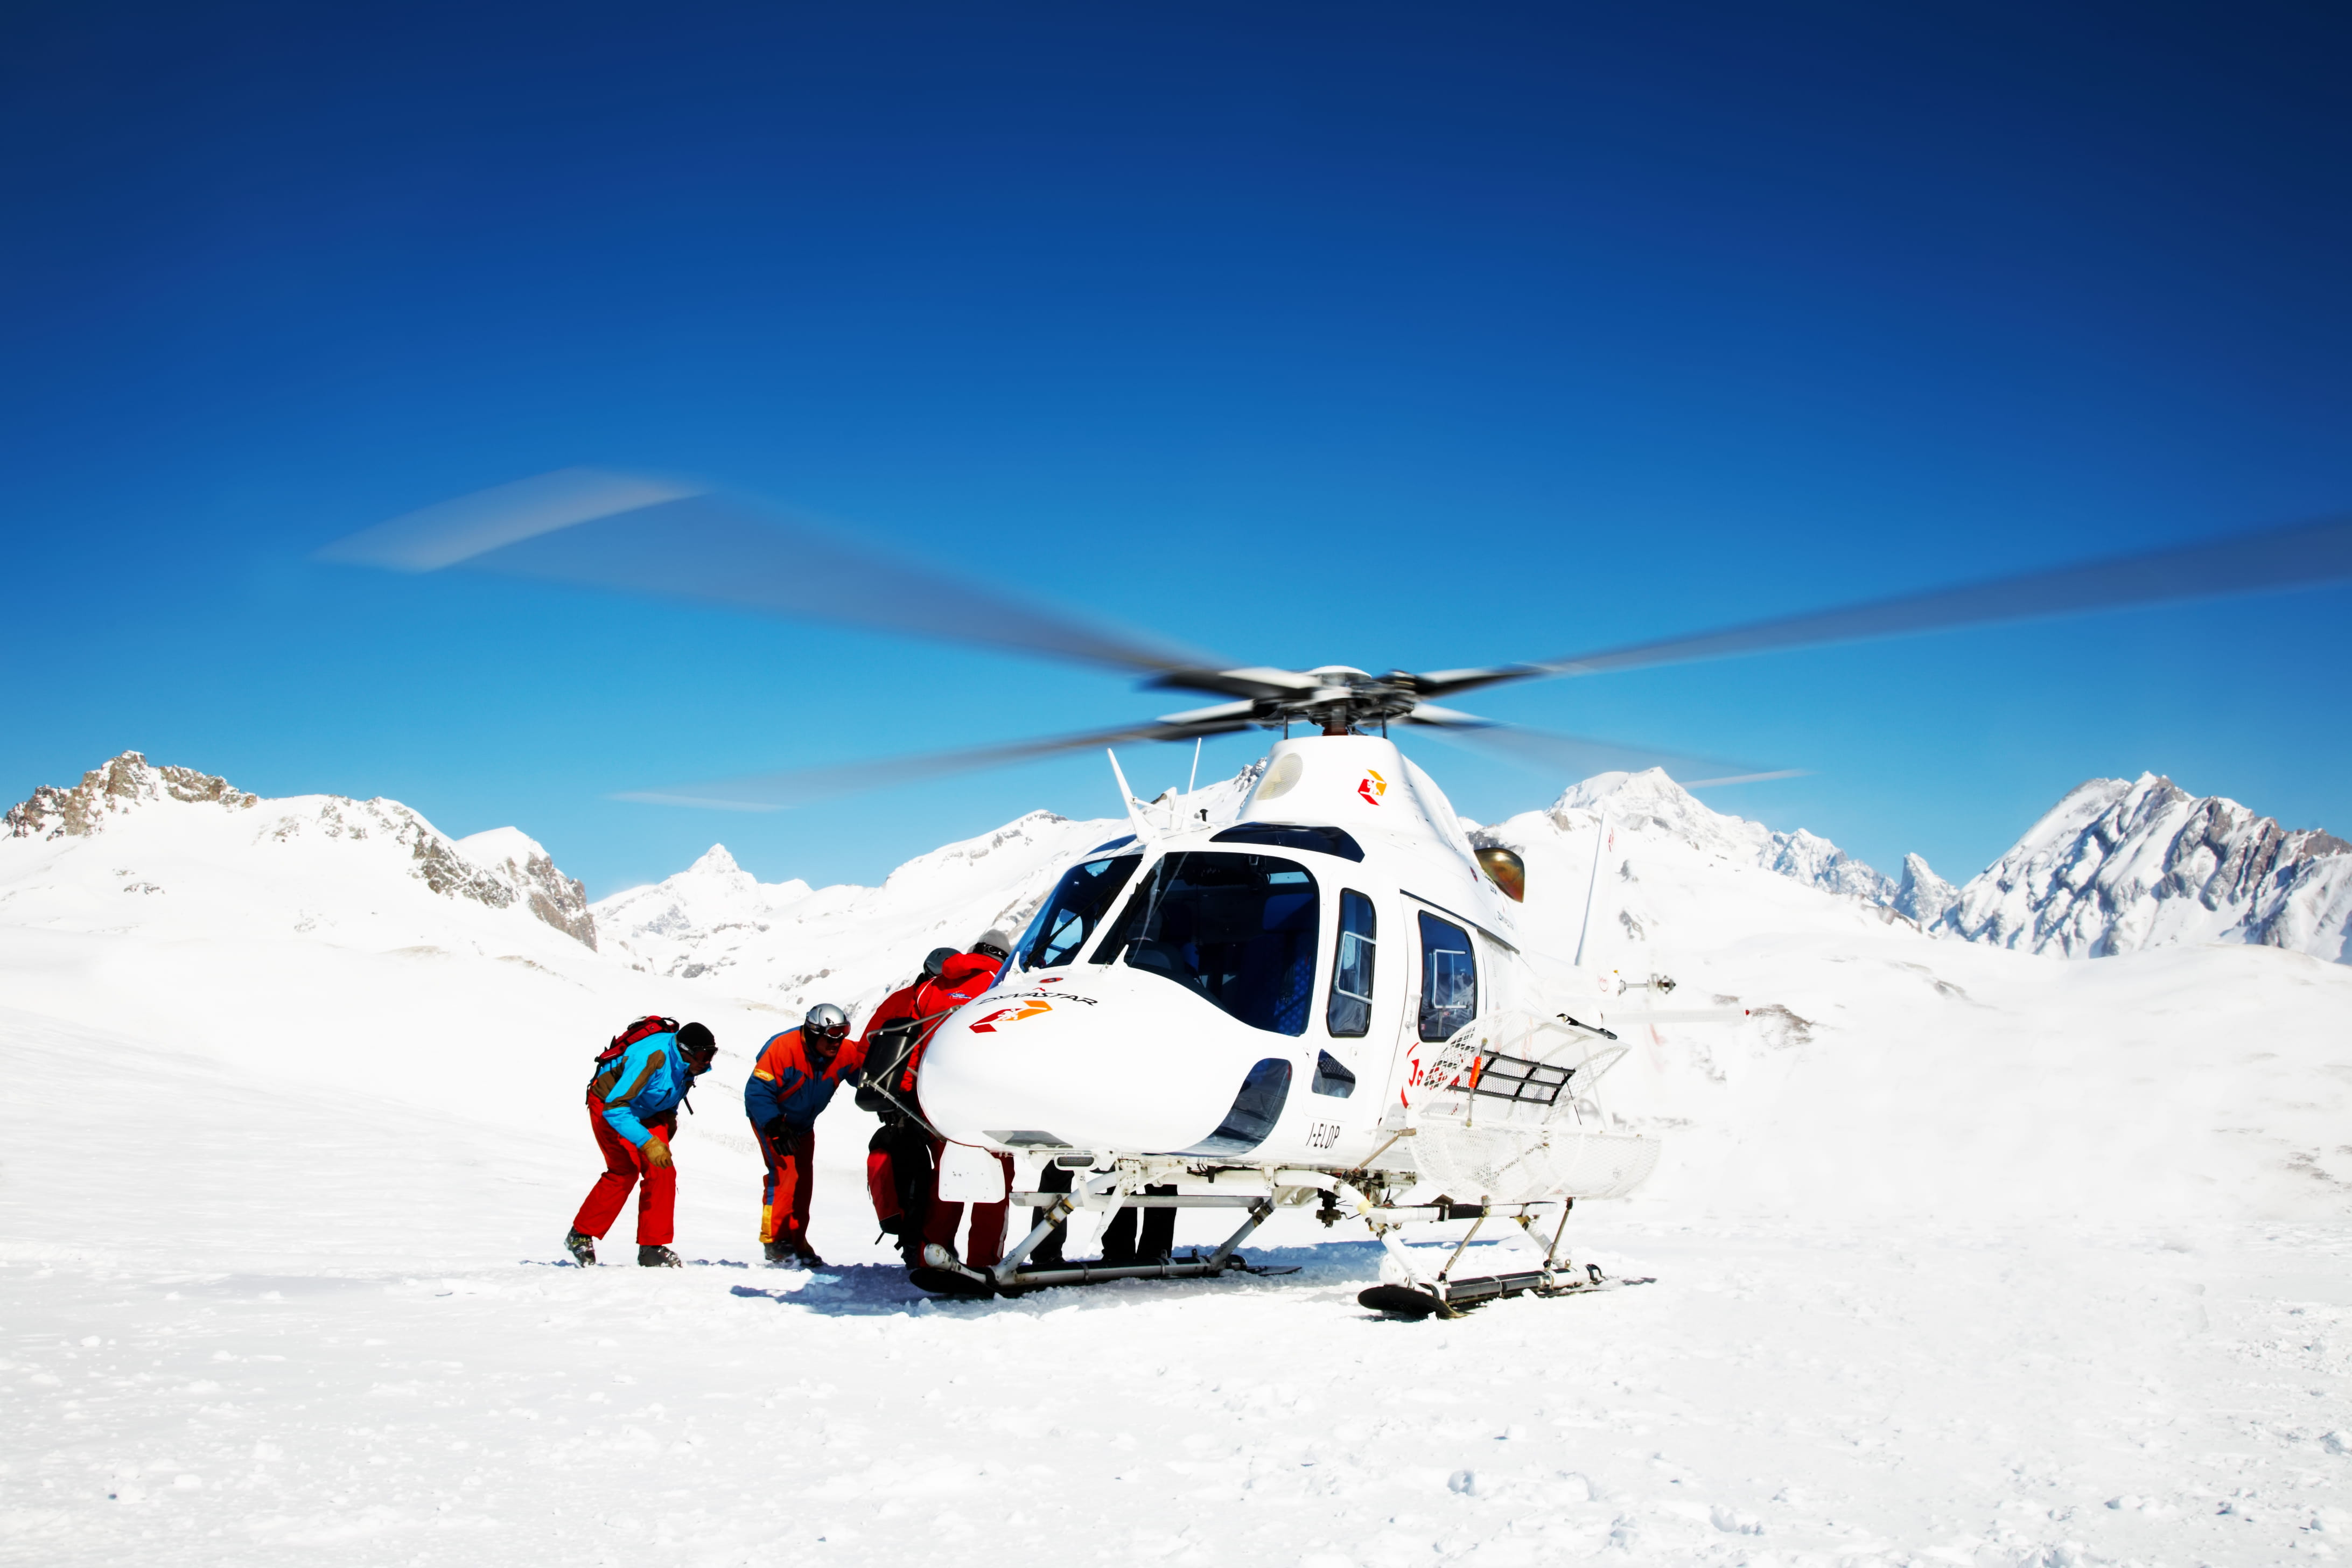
(1409, 335)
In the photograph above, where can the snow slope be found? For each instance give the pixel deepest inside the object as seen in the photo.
(1963, 1254)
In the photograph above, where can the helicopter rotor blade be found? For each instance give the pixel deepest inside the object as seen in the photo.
(2301, 555)
(805, 786)
(674, 538)
(1580, 756)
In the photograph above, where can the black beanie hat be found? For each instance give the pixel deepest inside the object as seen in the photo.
(696, 1038)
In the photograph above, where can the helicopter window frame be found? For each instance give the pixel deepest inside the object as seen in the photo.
(1355, 954)
(1036, 943)
(1275, 997)
(1336, 842)
(1444, 1011)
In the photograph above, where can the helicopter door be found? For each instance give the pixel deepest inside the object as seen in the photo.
(1449, 978)
(1348, 1009)
(1441, 995)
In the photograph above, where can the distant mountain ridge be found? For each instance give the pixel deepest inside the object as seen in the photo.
(2118, 866)
(500, 869)
(2115, 866)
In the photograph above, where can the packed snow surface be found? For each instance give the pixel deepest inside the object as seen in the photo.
(1963, 1254)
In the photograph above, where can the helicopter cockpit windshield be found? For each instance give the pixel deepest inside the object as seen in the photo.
(1238, 930)
(1077, 908)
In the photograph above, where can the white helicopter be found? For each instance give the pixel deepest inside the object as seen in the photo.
(1325, 1004)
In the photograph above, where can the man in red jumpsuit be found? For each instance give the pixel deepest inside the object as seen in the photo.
(915, 1013)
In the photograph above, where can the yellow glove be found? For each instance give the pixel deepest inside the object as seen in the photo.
(657, 1154)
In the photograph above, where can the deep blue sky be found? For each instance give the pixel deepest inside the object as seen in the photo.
(1388, 335)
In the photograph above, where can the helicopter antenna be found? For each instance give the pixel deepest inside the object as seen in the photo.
(1143, 831)
(1593, 887)
(1194, 782)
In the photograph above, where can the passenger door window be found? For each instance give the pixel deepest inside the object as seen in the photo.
(1350, 1014)
(1449, 978)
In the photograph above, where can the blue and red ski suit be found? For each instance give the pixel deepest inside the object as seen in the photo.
(631, 1102)
(784, 1097)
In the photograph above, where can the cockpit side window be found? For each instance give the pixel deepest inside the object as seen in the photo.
(1237, 930)
(1449, 978)
(1350, 1014)
(1075, 909)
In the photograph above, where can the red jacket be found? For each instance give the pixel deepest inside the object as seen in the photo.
(962, 978)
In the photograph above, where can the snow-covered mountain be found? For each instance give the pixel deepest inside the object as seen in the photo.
(1651, 802)
(2118, 866)
(298, 1129)
(195, 838)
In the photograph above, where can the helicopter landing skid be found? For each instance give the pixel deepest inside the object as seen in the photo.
(1418, 1293)
(1010, 1278)
(1419, 1301)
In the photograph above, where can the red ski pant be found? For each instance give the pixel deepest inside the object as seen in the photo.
(625, 1166)
(985, 1245)
(784, 1192)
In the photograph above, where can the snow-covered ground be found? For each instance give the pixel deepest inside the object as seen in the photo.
(1962, 1255)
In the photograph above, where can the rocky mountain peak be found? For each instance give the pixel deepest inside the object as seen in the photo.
(2120, 865)
(121, 785)
(498, 869)
(1922, 895)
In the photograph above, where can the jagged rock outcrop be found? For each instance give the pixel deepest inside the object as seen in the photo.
(2118, 866)
(117, 785)
(512, 856)
(1818, 863)
(1922, 895)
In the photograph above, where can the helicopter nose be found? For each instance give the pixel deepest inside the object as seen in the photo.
(1116, 1060)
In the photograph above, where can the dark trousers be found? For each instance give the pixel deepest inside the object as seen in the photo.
(899, 1178)
(1118, 1240)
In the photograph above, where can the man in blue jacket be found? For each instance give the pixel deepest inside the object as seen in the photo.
(633, 1109)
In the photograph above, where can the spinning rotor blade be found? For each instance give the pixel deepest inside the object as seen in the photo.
(2303, 555)
(1580, 757)
(638, 534)
(804, 786)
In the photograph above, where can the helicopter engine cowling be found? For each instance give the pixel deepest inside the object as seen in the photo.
(1105, 1058)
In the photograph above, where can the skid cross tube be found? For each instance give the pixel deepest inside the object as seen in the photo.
(1009, 1275)
(1147, 1201)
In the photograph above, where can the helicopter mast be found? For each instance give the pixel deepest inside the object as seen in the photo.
(1592, 887)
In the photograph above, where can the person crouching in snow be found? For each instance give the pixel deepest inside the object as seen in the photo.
(793, 1081)
(632, 1110)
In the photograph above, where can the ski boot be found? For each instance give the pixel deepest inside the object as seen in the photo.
(942, 1275)
(779, 1255)
(805, 1256)
(582, 1248)
(658, 1258)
